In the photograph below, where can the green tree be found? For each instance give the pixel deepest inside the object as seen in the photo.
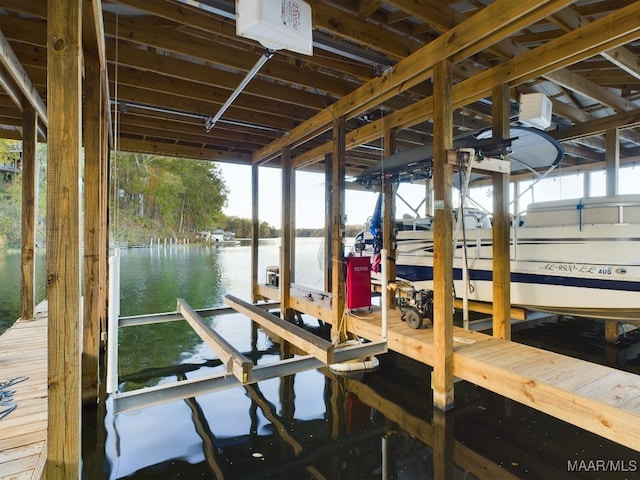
(169, 195)
(11, 196)
(10, 211)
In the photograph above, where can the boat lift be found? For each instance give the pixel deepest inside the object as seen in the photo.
(239, 370)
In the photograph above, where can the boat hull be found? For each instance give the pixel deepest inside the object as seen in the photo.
(579, 270)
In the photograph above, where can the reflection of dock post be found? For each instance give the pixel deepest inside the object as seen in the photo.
(388, 460)
(443, 443)
(338, 420)
(611, 332)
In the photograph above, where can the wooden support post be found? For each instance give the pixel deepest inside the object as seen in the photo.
(443, 238)
(285, 235)
(292, 225)
(612, 168)
(389, 217)
(501, 227)
(255, 229)
(611, 331)
(328, 225)
(30, 167)
(443, 444)
(337, 228)
(612, 160)
(64, 92)
(93, 215)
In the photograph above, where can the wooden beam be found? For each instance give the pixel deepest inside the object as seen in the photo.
(202, 75)
(517, 313)
(443, 236)
(237, 364)
(389, 219)
(212, 25)
(285, 234)
(337, 228)
(183, 151)
(64, 92)
(93, 40)
(367, 7)
(161, 87)
(598, 126)
(501, 224)
(93, 221)
(500, 18)
(612, 160)
(255, 229)
(328, 224)
(30, 168)
(93, 32)
(438, 16)
(508, 48)
(345, 25)
(20, 78)
(138, 31)
(301, 338)
(569, 19)
(536, 62)
(265, 114)
(578, 83)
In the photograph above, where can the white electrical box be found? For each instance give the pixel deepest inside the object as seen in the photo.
(276, 24)
(535, 110)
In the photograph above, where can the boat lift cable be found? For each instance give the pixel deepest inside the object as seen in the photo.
(460, 224)
(211, 121)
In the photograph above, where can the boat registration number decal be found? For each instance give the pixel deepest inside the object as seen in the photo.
(575, 268)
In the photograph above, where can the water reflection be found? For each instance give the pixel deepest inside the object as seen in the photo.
(321, 425)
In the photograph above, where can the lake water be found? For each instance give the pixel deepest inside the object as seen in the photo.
(10, 284)
(315, 424)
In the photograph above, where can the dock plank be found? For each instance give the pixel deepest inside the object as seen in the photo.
(600, 399)
(23, 432)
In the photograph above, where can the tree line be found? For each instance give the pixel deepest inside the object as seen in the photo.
(150, 197)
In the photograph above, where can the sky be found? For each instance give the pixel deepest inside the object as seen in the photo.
(359, 205)
(310, 203)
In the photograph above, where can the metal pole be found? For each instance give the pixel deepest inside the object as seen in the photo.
(211, 121)
(385, 292)
(114, 314)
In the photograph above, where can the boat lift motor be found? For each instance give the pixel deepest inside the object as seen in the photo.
(416, 306)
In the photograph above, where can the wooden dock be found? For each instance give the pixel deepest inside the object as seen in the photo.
(600, 399)
(23, 432)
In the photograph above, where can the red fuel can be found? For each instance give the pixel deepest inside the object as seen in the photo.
(358, 282)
